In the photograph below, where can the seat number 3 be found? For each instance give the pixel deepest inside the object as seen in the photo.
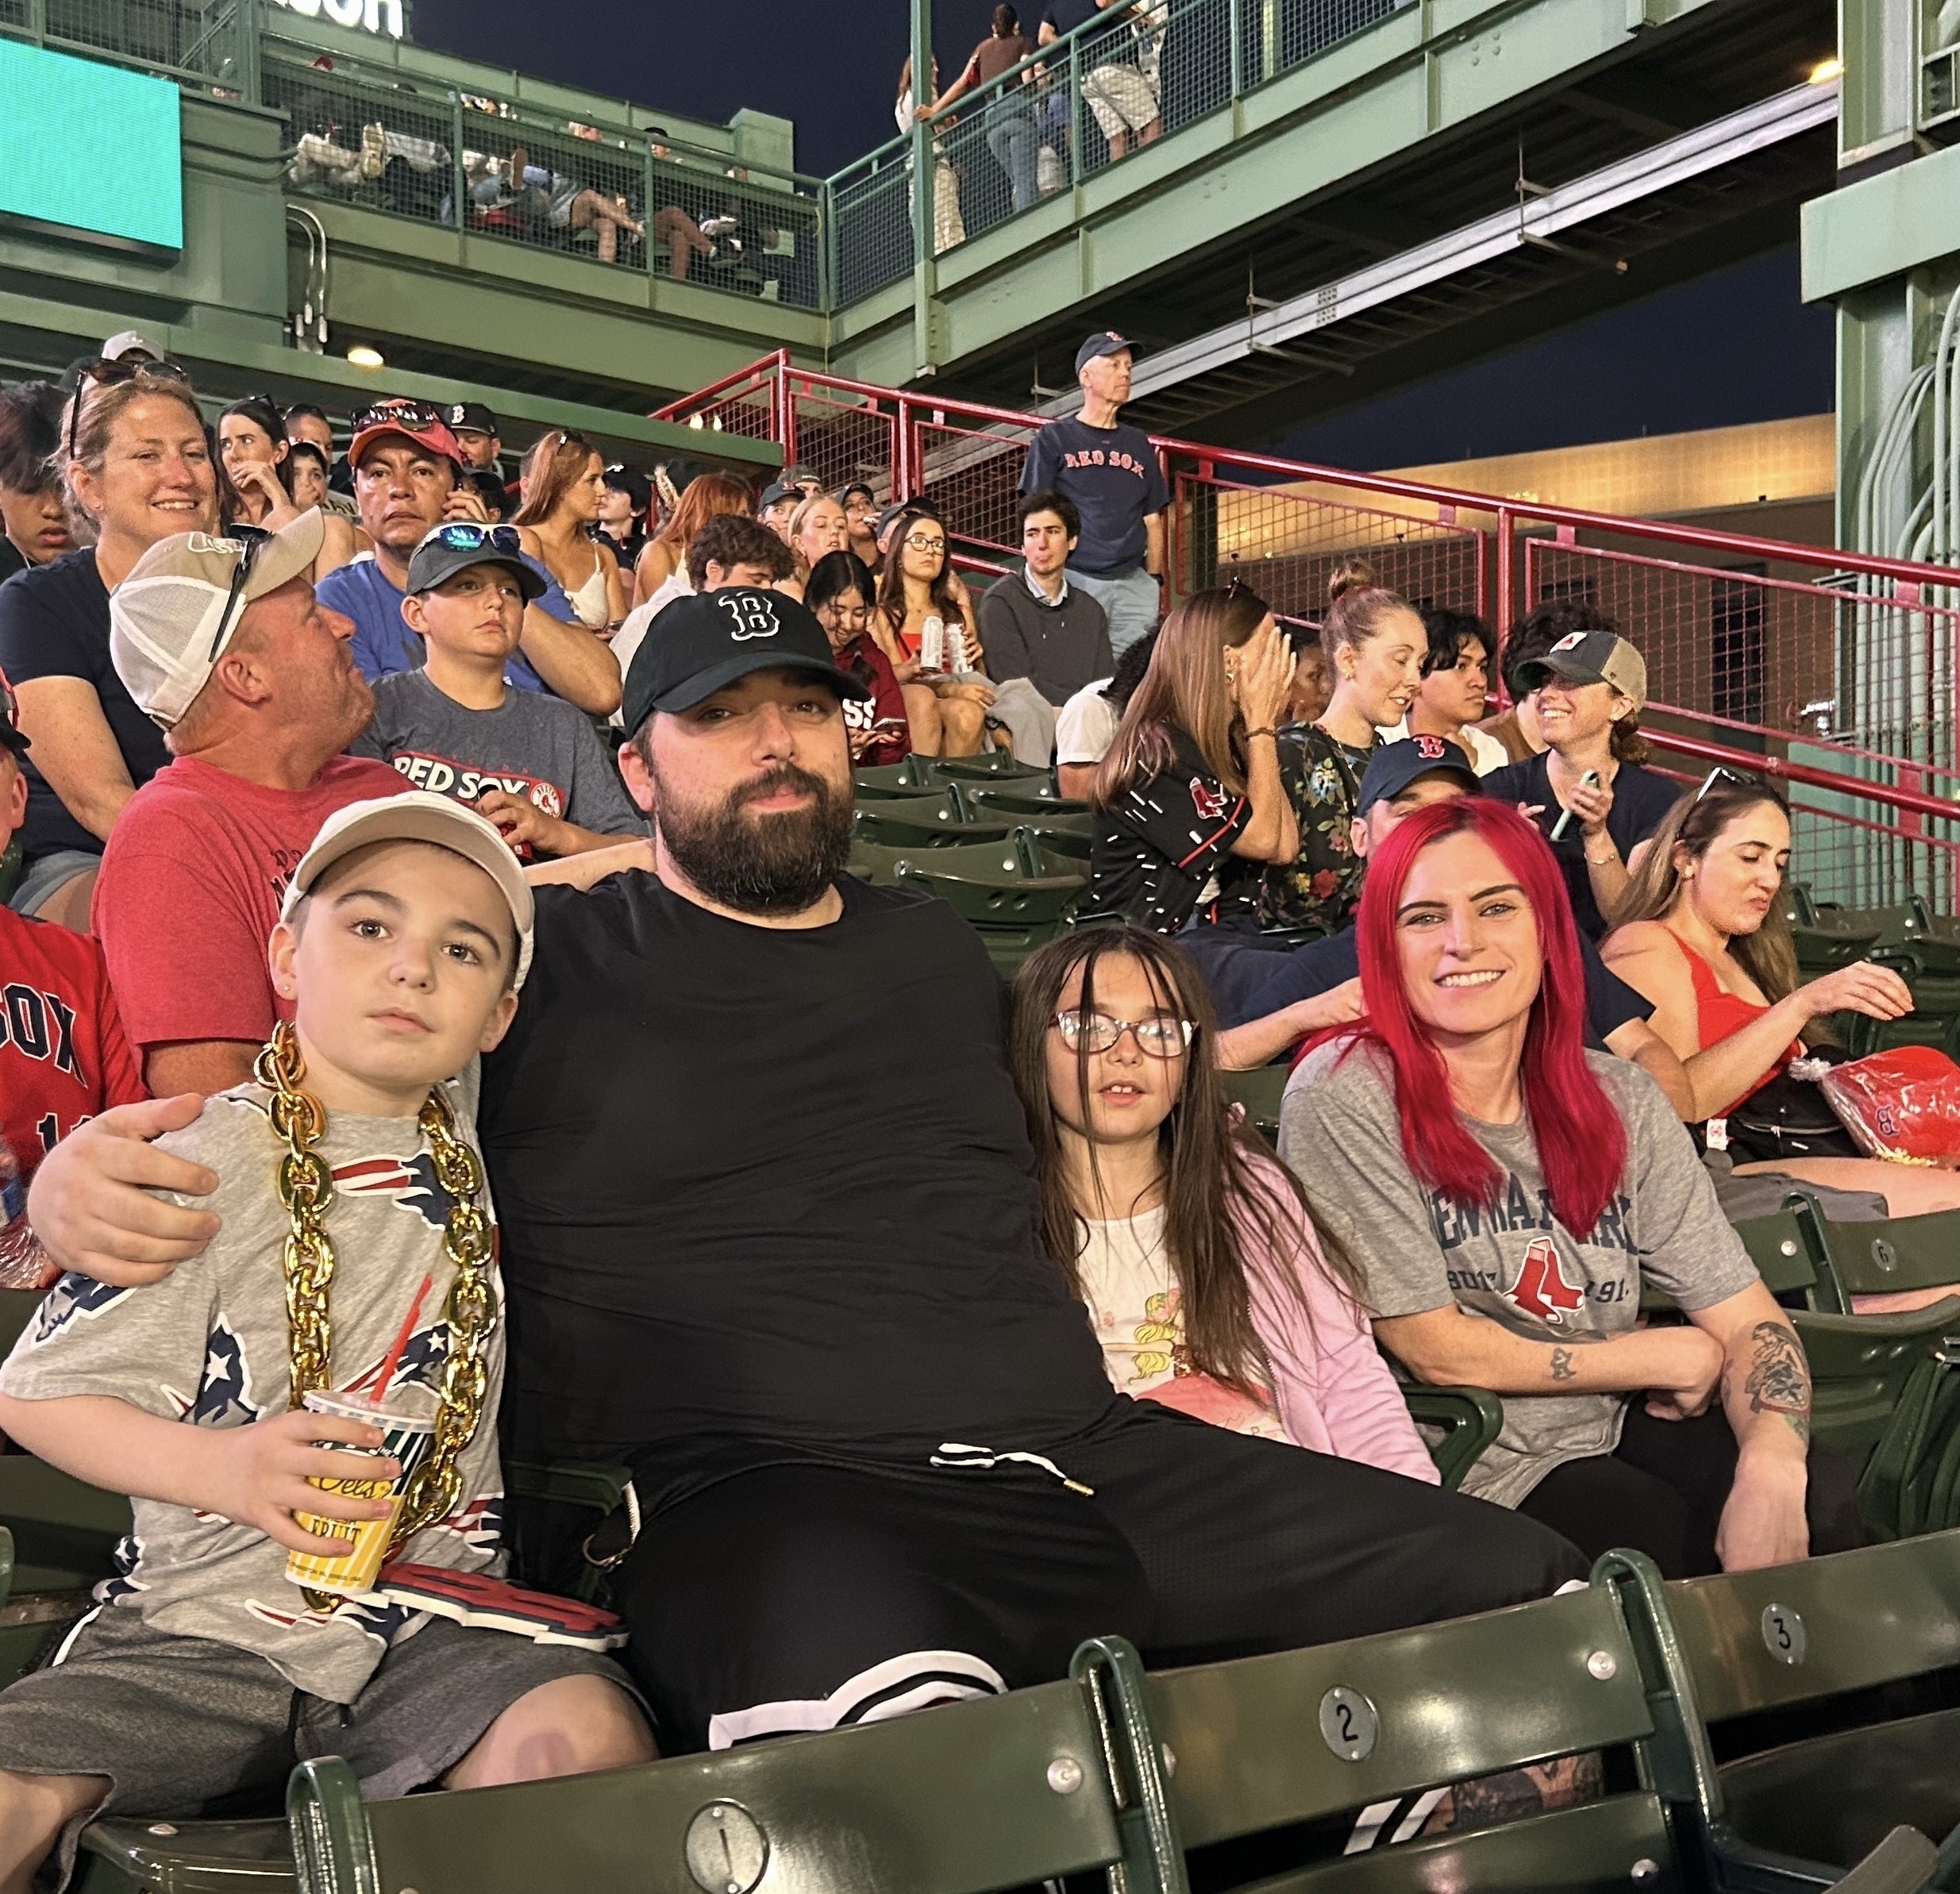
(1783, 1635)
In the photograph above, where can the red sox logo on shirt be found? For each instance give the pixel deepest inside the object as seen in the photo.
(1429, 749)
(1209, 803)
(1540, 1289)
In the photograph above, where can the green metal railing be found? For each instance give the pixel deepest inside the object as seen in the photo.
(499, 167)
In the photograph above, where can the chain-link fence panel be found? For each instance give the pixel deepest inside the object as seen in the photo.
(843, 440)
(972, 475)
(1812, 672)
(388, 148)
(202, 43)
(1288, 545)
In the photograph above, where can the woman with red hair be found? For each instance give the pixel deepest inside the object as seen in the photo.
(1540, 1186)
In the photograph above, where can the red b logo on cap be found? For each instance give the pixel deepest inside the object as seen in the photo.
(1430, 748)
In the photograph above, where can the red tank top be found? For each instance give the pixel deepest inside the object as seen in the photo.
(1718, 1012)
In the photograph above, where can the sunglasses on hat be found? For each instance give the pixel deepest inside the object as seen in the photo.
(409, 415)
(467, 536)
(105, 374)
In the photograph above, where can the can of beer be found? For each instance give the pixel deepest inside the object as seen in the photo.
(405, 1438)
(932, 645)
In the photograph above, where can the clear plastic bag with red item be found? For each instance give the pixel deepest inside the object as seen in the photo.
(1903, 1105)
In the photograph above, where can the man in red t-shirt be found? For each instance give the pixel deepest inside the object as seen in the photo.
(222, 642)
(63, 1057)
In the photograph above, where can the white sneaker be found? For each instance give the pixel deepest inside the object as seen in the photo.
(374, 151)
(717, 226)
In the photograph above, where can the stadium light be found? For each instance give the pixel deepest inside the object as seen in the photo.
(361, 355)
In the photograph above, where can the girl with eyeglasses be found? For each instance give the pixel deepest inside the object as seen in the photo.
(1705, 935)
(1189, 1243)
(947, 708)
(839, 593)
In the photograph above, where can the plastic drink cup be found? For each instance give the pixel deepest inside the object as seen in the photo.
(407, 1437)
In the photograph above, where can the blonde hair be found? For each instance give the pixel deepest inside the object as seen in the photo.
(1358, 606)
(102, 405)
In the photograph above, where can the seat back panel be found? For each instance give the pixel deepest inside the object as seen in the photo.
(949, 1801)
(1604, 1847)
(1759, 1641)
(1255, 1739)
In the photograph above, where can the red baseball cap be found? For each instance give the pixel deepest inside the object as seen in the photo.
(420, 421)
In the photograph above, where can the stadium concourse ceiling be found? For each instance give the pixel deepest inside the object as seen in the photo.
(1692, 150)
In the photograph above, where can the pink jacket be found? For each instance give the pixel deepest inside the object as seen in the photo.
(1334, 1392)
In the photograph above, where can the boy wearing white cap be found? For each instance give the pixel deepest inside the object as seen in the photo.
(207, 1672)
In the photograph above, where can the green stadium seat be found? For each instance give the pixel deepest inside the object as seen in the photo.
(1018, 800)
(125, 1856)
(1823, 946)
(1932, 968)
(64, 1533)
(1260, 1091)
(996, 900)
(1898, 1254)
(989, 766)
(995, 860)
(1471, 1419)
(999, 1793)
(1746, 1646)
(1264, 1743)
(881, 823)
(1063, 837)
(17, 1310)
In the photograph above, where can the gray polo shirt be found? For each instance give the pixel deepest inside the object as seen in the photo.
(1058, 648)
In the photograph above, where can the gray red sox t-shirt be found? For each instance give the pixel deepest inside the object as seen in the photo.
(207, 1347)
(540, 747)
(1513, 1261)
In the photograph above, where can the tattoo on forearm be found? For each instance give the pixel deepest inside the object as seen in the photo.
(1778, 1381)
(1517, 1793)
(1562, 1369)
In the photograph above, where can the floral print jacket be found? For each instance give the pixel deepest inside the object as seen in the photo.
(1320, 889)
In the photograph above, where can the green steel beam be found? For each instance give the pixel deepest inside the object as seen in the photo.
(1370, 101)
(39, 334)
(1901, 220)
(393, 277)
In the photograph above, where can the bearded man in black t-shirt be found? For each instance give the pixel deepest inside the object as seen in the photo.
(762, 1249)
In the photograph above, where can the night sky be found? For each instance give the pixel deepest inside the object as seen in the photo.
(1733, 346)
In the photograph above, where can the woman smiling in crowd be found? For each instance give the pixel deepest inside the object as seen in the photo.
(1375, 644)
(1541, 1187)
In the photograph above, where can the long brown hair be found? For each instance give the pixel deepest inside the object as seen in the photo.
(1184, 689)
(555, 463)
(1768, 956)
(891, 580)
(706, 496)
(1225, 1195)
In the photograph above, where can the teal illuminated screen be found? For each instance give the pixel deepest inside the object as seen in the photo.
(90, 148)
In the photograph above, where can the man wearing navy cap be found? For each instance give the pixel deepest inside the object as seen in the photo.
(1268, 1001)
(1112, 474)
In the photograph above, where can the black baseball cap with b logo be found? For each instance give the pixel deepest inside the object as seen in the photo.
(700, 643)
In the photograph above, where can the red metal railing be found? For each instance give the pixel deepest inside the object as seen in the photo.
(1832, 672)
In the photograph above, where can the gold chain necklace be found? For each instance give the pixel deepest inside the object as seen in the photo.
(306, 1188)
